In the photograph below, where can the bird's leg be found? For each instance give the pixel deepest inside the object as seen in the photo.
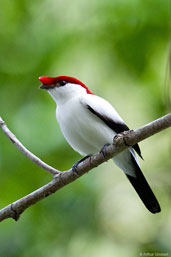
(103, 150)
(74, 167)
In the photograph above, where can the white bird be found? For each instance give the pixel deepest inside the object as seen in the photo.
(89, 122)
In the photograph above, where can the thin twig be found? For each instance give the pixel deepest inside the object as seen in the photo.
(121, 142)
(25, 151)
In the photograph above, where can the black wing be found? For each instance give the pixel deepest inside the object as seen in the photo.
(139, 182)
(117, 127)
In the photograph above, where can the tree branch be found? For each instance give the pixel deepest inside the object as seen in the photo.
(25, 151)
(60, 179)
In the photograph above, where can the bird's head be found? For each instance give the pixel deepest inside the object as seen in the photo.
(62, 88)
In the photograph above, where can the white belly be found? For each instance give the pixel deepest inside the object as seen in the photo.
(85, 132)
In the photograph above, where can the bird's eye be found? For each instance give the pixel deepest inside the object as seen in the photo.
(62, 83)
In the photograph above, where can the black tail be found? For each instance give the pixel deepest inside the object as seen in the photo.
(143, 189)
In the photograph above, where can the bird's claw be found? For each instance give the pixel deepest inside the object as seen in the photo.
(103, 150)
(74, 167)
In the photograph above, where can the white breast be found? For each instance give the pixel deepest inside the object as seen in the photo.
(85, 132)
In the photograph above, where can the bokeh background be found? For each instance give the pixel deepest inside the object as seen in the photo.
(120, 50)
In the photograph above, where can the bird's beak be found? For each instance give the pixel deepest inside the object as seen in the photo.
(45, 86)
(45, 83)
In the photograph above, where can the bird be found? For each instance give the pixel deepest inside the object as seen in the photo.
(89, 122)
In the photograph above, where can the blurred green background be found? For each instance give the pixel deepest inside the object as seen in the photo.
(120, 50)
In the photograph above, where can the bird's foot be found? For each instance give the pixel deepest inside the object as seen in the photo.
(103, 150)
(74, 167)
